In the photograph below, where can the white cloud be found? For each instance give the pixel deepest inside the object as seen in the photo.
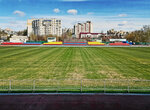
(123, 23)
(56, 10)
(122, 15)
(14, 25)
(72, 11)
(90, 13)
(19, 13)
(6, 18)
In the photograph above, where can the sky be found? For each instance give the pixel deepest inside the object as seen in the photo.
(127, 15)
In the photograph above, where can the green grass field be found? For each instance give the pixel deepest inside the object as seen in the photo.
(74, 63)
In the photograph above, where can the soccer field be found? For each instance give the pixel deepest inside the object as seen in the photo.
(74, 63)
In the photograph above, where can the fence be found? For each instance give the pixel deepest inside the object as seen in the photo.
(72, 85)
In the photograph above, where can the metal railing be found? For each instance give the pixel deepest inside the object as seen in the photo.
(73, 85)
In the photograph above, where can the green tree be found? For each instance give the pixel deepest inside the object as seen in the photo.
(3, 33)
(22, 33)
(142, 35)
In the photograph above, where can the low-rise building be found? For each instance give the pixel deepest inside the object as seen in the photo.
(116, 34)
(90, 35)
(117, 40)
(51, 39)
(93, 36)
(1, 41)
(22, 39)
(9, 31)
(4, 37)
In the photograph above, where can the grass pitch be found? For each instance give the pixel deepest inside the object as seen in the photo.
(74, 63)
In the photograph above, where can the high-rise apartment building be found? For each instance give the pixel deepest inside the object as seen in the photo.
(83, 27)
(29, 26)
(44, 27)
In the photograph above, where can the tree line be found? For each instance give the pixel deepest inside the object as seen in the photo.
(65, 35)
(142, 35)
(2, 33)
(22, 33)
(34, 37)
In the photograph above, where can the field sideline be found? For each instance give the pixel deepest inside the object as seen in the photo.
(74, 63)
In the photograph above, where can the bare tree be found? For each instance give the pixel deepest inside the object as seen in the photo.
(142, 35)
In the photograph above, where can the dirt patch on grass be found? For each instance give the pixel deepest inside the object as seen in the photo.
(112, 74)
(77, 76)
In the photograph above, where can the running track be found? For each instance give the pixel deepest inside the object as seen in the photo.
(74, 102)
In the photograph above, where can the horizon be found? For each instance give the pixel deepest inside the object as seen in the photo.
(104, 14)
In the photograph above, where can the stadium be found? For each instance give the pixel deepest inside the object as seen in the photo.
(74, 55)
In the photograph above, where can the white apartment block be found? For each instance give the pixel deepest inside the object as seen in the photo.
(83, 28)
(44, 27)
(29, 26)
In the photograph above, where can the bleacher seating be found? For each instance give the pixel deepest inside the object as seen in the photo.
(119, 44)
(95, 44)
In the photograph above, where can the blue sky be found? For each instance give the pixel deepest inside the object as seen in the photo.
(125, 15)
